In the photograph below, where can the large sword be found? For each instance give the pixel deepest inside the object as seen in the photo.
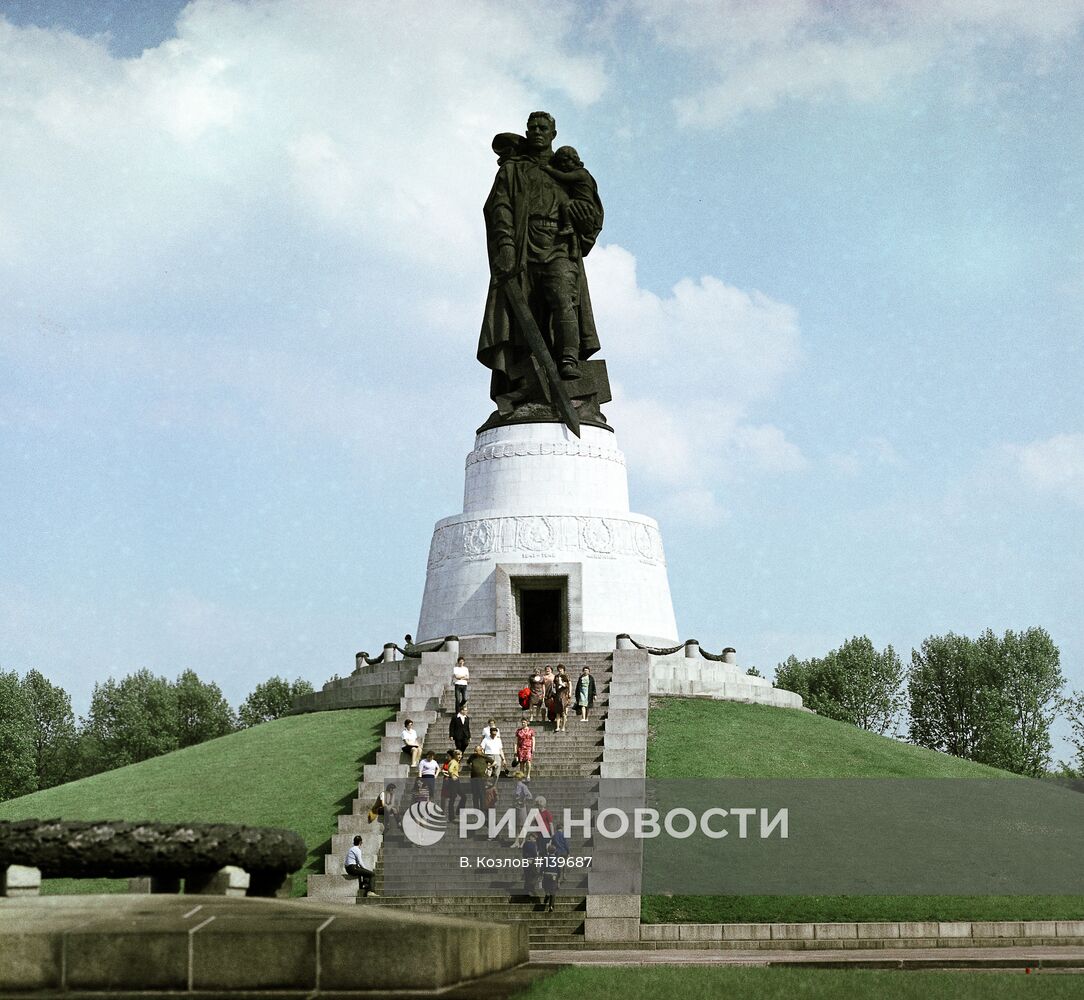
(541, 352)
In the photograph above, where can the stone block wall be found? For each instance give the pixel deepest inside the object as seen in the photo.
(382, 684)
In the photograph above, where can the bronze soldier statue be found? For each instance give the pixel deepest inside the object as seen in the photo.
(542, 216)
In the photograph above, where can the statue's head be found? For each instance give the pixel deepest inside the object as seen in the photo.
(566, 158)
(541, 130)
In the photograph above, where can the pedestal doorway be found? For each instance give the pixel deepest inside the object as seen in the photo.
(541, 617)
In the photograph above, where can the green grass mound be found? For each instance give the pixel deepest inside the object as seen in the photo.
(700, 738)
(299, 772)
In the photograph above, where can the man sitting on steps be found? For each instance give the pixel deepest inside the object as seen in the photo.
(355, 869)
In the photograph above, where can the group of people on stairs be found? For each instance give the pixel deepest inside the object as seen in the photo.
(549, 693)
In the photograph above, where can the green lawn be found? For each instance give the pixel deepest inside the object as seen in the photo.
(700, 738)
(695, 737)
(711, 982)
(299, 772)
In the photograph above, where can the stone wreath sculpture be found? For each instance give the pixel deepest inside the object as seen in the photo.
(120, 849)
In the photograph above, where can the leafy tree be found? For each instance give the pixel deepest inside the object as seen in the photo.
(793, 675)
(18, 771)
(855, 684)
(52, 730)
(873, 694)
(128, 722)
(1073, 707)
(947, 687)
(753, 672)
(1027, 671)
(202, 711)
(990, 700)
(271, 700)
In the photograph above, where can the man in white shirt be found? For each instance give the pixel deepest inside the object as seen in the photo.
(356, 869)
(493, 748)
(460, 677)
(411, 743)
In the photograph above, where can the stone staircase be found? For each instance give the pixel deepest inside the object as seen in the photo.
(561, 763)
(610, 744)
(420, 702)
(559, 758)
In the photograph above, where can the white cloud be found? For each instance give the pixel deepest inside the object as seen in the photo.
(767, 449)
(713, 24)
(763, 54)
(701, 358)
(1054, 465)
(855, 70)
(706, 338)
(267, 123)
(1052, 21)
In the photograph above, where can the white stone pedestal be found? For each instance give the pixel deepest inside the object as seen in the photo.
(543, 509)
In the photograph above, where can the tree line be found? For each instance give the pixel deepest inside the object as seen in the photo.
(134, 719)
(991, 699)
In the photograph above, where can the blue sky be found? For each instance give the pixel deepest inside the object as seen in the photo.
(839, 290)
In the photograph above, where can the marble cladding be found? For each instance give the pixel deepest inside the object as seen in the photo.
(536, 494)
(527, 468)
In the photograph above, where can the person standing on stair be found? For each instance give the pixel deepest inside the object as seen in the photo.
(457, 794)
(411, 744)
(551, 877)
(427, 771)
(355, 869)
(562, 697)
(585, 693)
(560, 841)
(493, 747)
(538, 693)
(533, 848)
(547, 682)
(460, 679)
(445, 784)
(546, 817)
(459, 729)
(525, 746)
(521, 798)
(479, 769)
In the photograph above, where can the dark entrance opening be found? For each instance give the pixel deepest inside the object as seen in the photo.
(540, 617)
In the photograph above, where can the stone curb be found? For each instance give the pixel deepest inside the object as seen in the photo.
(890, 934)
(114, 944)
(1031, 954)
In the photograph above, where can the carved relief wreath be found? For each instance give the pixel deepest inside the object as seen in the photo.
(535, 534)
(597, 536)
(478, 538)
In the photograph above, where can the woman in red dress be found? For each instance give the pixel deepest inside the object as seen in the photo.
(525, 746)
